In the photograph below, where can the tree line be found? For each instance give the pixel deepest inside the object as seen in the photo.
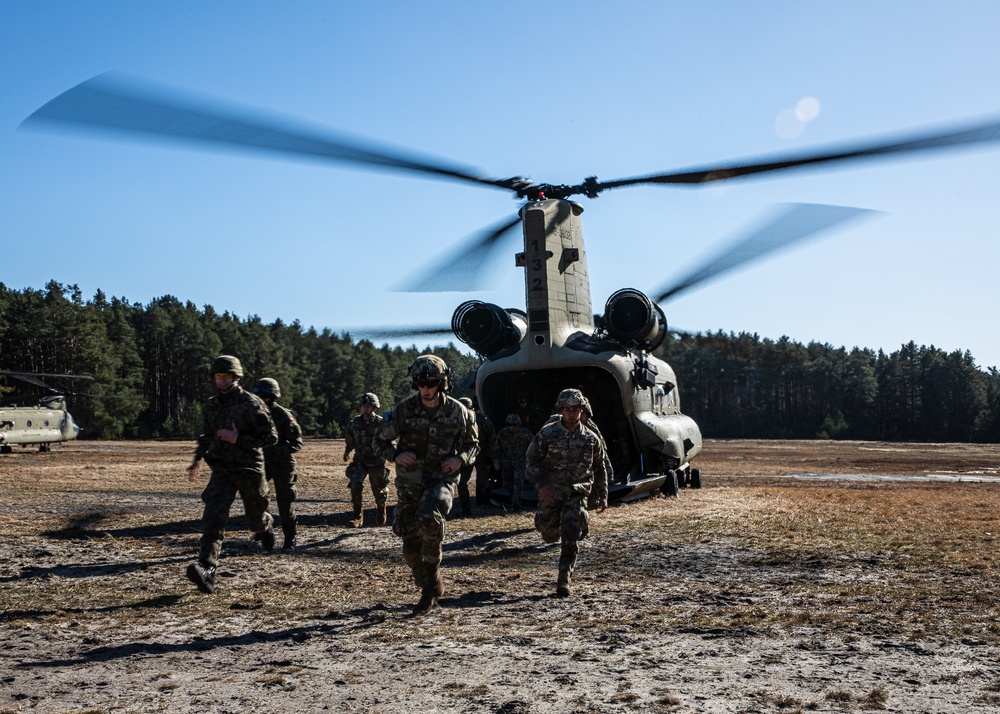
(743, 386)
(151, 364)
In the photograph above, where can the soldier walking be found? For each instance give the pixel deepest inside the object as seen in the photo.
(429, 436)
(512, 444)
(565, 462)
(279, 459)
(236, 426)
(358, 438)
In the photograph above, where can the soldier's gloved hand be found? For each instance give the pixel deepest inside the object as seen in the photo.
(602, 503)
(347, 455)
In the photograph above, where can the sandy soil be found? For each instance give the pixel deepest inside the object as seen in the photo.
(804, 576)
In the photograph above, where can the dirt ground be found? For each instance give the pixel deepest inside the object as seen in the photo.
(803, 576)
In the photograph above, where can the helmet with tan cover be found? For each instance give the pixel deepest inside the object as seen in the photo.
(427, 369)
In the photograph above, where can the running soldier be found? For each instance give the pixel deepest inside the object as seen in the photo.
(358, 438)
(236, 426)
(429, 436)
(279, 459)
(565, 462)
(512, 444)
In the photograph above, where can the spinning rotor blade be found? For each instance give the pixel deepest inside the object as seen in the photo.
(461, 270)
(982, 133)
(416, 331)
(114, 102)
(796, 223)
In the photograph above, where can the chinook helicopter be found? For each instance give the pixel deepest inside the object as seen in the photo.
(556, 341)
(45, 424)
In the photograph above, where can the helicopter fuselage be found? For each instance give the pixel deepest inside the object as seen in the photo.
(45, 424)
(530, 356)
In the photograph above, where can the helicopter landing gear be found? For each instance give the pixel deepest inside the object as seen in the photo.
(44, 448)
(694, 478)
(6, 449)
(669, 487)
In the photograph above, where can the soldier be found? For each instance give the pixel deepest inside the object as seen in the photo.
(512, 443)
(429, 436)
(484, 461)
(565, 462)
(358, 438)
(279, 459)
(236, 426)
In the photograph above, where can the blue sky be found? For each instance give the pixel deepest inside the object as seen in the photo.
(556, 91)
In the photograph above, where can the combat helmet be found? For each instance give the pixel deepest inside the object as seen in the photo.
(371, 399)
(513, 419)
(429, 368)
(267, 387)
(570, 398)
(227, 364)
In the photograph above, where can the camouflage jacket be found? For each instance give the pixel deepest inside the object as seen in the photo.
(432, 434)
(253, 421)
(572, 461)
(358, 438)
(512, 443)
(281, 455)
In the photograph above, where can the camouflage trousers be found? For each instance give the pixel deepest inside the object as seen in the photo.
(420, 521)
(565, 520)
(285, 494)
(513, 479)
(218, 496)
(378, 477)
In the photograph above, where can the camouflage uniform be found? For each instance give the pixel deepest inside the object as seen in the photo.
(512, 443)
(279, 466)
(236, 468)
(484, 462)
(572, 462)
(424, 493)
(358, 438)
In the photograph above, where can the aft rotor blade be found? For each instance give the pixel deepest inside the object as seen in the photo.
(47, 374)
(795, 223)
(461, 269)
(395, 332)
(118, 103)
(981, 133)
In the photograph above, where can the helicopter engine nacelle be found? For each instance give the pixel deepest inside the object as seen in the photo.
(488, 328)
(634, 320)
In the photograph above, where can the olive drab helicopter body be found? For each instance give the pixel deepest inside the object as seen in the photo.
(47, 423)
(556, 344)
(557, 341)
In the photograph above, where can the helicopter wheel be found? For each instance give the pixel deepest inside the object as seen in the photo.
(695, 478)
(669, 487)
(44, 448)
(6, 449)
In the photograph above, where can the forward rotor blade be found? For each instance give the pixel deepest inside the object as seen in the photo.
(116, 102)
(982, 133)
(795, 223)
(460, 270)
(47, 374)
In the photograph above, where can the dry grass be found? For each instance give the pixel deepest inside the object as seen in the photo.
(94, 538)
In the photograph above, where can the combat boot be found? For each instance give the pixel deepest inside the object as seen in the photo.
(430, 595)
(358, 517)
(289, 543)
(267, 537)
(380, 516)
(202, 576)
(562, 586)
